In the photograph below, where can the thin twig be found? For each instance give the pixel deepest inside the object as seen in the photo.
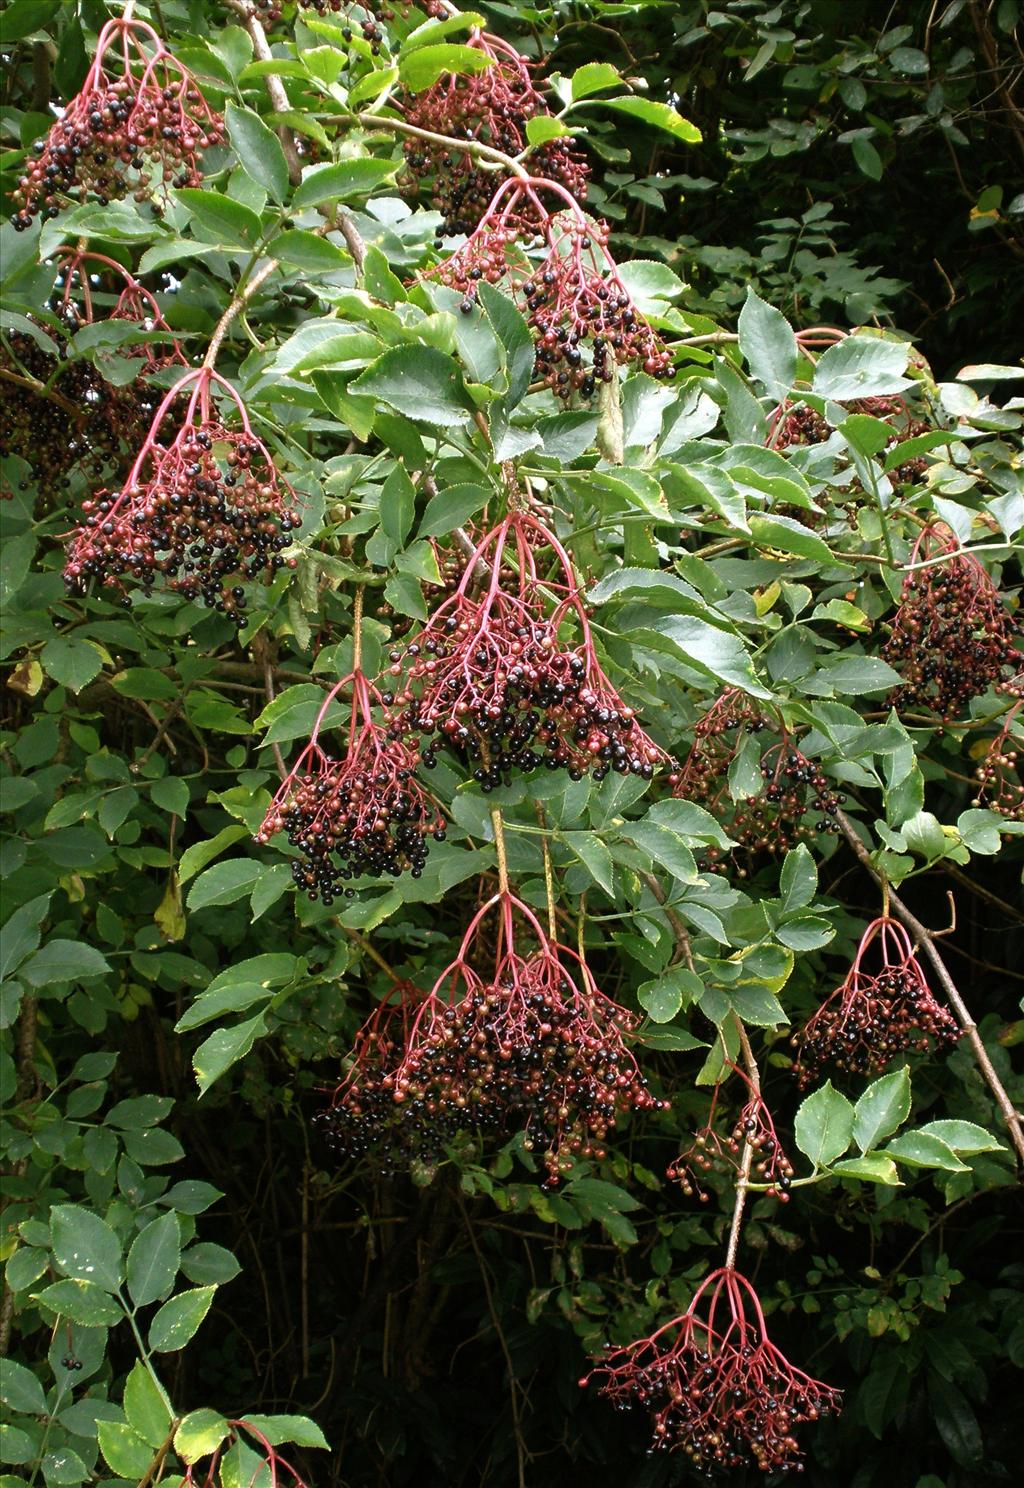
(747, 1157)
(683, 950)
(1012, 1117)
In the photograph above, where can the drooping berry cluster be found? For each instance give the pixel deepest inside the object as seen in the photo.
(712, 1149)
(531, 1047)
(372, 18)
(797, 424)
(60, 412)
(492, 108)
(582, 316)
(207, 511)
(121, 128)
(715, 1386)
(1000, 776)
(874, 1015)
(492, 678)
(727, 746)
(952, 637)
(364, 813)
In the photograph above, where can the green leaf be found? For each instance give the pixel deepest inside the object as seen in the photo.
(420, 69)
(823, 1125)
(873, 1167)
(196, 857)
(861, 367)
(153, 1260)
(177, 1320)
(311, 252)
(397, 505)
(85, 1246)
(420, 382)
(883, 1107)
(21, 933)
(207, 1263)
(298, 1429)
(225, 1048)
(292, 714)
(171, 794)
(593, 77)
(343, 181)
(258, 149)
(224, 883)
(145, 1407)
(789, 536)
(717, 653)
(82, 1302)
(229, 221)
(595, 857)
(663, 998)
(919, 1149)
(544, 127)
(956, 1422)
(667, 849)
(125, 1451)
(451, 507)
(658, 115)
(768, 343)
(200, 1434)
(70, 661)
(798, 881)
(20, 1389)
(964, 1137)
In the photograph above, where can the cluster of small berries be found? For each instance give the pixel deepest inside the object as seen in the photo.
(952, 636)
(209, 514)
(999, 776)
(120, 128)
(582, 316)
(490, 677)
(490, 108)
(710, 1149)
(365, 813)
(874, 1015)
(532, 1048)
(715, 1386)
(60, 412)
(775, 818)
(801, 425)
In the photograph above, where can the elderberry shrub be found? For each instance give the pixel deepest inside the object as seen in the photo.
(952, 637)
(715, 1386)
(116, 131)
(873, 1016)
(774, 820)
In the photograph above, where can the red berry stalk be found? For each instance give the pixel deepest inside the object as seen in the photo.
(715, 1385)
(952, 637)
(207, 511)
(531, 1047)
(492, 678)
(364, 813)
(490, 108)
(711, 1149)
(999, 776)
(138, 110)
(874, 1015)
(773, 820)
(272, 1469)
(582, 316)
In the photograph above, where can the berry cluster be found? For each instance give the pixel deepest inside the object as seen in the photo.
(1000, 777)
(371, 23)
(774, 819)
(490, 677)
(952, 636)
(710, 1149)
(365, 813)
(583, 319)
(118, 129)
(715, 1385)
(60, 412)
(210, 513)
(874, 1015)
(490, 108)
(531, 1048)
(800, 425)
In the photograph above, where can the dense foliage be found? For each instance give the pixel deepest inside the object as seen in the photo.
(511, 772)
